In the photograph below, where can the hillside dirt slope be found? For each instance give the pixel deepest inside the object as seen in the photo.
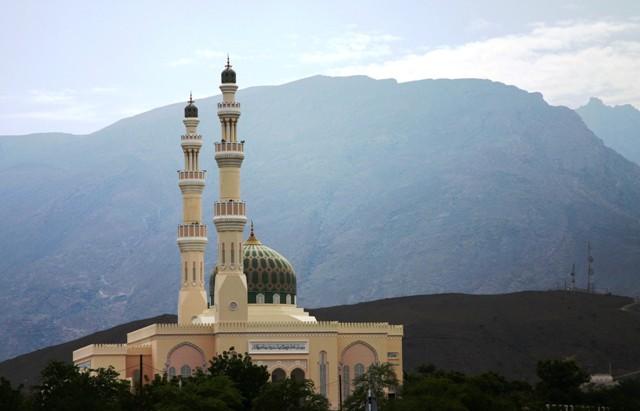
(506, 333)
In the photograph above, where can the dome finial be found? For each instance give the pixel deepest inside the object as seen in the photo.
(228, 76)
(191, 111)
(252, 236)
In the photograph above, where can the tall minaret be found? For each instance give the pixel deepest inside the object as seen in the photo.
(229, 214)
(192, 234)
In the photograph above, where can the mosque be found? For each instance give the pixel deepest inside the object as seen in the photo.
(252, 304)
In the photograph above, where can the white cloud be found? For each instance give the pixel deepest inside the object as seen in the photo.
(350, 47)
(568, 62)
(66, 96)
(184, 61)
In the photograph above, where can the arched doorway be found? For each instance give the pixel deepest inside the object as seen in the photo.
(184, 359)
(297, 375)
(278, 375)
(356, 359)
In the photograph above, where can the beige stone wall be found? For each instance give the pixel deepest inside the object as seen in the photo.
(119, 362)
(344, 344)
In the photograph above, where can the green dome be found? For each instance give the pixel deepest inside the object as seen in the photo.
(269, 274)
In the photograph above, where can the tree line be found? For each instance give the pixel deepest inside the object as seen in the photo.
(232, 382)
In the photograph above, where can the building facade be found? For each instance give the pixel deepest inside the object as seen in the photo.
(251, 304)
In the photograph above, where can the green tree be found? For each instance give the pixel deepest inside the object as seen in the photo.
(431, 389)
(65, 387)
(560, 381)
(199, 392)
(290, 395)
(247, 377)
(10, 398)
(379, 378)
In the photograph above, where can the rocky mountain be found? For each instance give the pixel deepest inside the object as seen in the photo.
(505, 333)
(371, 188)
(617, 126)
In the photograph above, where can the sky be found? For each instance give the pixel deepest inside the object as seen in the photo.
(78, 66)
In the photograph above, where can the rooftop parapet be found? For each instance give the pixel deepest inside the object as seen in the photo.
(110, 349)
(266, 327)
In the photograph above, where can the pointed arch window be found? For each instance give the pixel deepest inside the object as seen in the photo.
(323, 373)
(346, 382)
(358, 370)
(276, 298)
(288, 300)
(260, 298)
(185, 371)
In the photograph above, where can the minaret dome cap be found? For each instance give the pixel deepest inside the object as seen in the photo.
(228, 76)
(191, 111)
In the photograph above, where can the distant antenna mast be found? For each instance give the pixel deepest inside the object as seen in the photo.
(590, 285)
(573, 277)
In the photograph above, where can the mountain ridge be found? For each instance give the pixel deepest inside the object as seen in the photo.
(618, 126)
(370, 188)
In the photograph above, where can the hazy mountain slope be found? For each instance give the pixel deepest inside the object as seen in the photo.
(618, 126)
(371, 188)
(470, 333)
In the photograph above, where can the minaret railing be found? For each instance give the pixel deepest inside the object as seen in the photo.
(192, 230)
(191, 137)
(229, 104)
(191, 175)
(229, 208)
(228, 146)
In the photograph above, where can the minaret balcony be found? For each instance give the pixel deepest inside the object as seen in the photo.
(191, 141)
(229, 215)
(192, 230)
(229, 147)
(229, 209)
(229, 108)
(229, 154)
(192, 237)
(191, 175)
(229, 104)
(191, 181)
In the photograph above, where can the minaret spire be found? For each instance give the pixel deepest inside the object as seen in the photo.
(192, 234)
(230, 294)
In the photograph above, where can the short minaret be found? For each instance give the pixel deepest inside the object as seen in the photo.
(229, 212)
(192, 234)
